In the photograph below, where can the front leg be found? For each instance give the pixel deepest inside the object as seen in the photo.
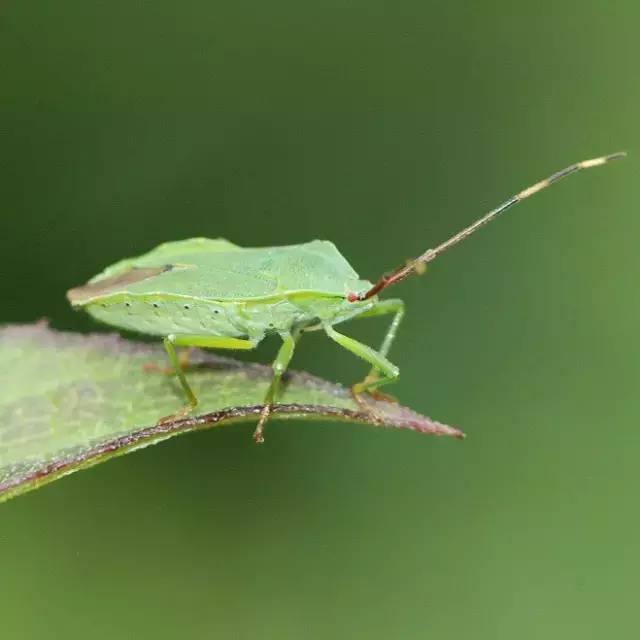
(383, 307)
(386, 371)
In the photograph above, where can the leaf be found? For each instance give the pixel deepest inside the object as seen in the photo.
(69, 401)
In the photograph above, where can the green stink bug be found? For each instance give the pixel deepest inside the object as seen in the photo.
(211, 293)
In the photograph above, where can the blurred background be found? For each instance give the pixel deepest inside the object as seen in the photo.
(384, 127)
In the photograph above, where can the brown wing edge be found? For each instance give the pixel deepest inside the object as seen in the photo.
(79, 295)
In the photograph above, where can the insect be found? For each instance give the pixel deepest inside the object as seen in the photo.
(210, 293)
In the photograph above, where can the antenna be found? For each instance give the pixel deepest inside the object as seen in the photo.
(417, 265)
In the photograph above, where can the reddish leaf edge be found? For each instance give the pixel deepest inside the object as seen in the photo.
(146, 436)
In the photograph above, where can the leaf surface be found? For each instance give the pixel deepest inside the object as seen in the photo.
(69, 401)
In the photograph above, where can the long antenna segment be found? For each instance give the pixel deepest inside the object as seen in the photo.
(417, 265)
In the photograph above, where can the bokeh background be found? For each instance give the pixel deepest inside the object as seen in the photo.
(385, 127)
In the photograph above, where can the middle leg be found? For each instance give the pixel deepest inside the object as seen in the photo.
(279, 366)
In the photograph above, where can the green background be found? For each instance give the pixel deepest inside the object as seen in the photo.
(385, 127)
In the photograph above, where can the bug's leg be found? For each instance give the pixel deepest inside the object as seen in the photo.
(176, 367)
(279, 366)
(386, 371)
(214, 342)
(384, 307)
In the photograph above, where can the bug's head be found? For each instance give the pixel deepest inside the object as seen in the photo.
(358, 290)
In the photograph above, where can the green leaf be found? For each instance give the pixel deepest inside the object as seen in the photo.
(69, 401)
